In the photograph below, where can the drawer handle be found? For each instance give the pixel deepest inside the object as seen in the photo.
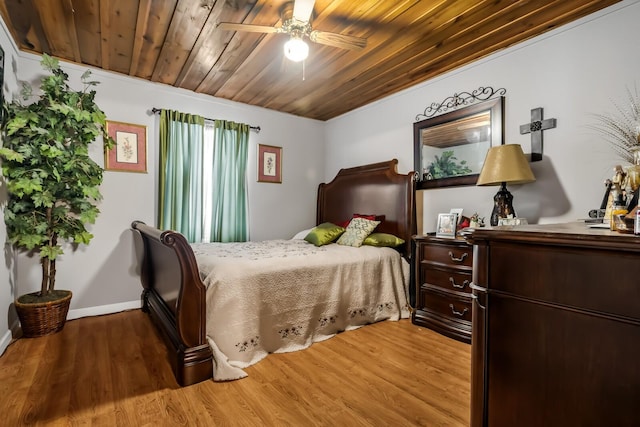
(458, 313)
(455, 285)
(453, 258)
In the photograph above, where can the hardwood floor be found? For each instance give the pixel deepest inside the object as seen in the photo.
(112, 371)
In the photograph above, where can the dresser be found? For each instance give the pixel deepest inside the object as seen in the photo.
(556, 327)
(443, 273)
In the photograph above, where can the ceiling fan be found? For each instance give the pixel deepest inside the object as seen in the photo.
(296, 21)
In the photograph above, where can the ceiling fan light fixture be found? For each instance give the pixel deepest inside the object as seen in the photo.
(296, 49)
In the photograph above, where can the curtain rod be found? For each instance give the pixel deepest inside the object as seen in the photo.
(256, 129)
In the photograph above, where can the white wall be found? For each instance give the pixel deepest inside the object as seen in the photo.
(103, 276)
(572, 72)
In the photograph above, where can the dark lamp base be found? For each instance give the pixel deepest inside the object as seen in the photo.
(503, 205)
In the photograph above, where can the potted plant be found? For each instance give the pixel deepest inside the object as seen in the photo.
(52, 183)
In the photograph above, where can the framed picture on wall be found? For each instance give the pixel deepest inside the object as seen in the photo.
(130, 152)
(269, 164)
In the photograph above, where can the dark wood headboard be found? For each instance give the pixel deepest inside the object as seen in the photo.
(375, 189)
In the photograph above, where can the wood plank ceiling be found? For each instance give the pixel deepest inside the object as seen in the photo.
(176, 42)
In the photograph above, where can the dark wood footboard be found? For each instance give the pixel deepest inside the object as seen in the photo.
(174, 296)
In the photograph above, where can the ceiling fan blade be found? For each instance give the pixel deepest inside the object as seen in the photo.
(230, 26)
(302, 9)
(338, 40)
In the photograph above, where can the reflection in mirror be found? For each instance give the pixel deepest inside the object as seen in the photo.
(449, 149)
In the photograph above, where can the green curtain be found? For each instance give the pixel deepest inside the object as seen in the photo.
(180, 173)
(229, 212)
(186, 170)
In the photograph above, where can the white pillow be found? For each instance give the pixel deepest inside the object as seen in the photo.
(302, 234)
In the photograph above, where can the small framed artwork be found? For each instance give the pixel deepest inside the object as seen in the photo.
(269, 164)
(446, 226)
(130, 152)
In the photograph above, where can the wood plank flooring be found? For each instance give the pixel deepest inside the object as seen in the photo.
(112, 371)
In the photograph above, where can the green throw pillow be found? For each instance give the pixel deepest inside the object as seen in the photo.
(324, 234)
(357, 230)
(383, 240)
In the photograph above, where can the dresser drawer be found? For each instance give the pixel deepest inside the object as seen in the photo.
(453, 255)
(446, 278)
(600, 281)
(445, 304)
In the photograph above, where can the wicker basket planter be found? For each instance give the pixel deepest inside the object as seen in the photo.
(42, 318)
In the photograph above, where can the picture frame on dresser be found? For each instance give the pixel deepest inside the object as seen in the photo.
(457, 211)
(446, 225)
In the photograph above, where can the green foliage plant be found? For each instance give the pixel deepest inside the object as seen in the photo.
(52, 183)
(446, 166)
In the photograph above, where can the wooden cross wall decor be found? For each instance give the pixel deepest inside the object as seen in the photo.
(535, 128)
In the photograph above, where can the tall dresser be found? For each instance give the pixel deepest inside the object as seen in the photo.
(443, 292)
(556, 327)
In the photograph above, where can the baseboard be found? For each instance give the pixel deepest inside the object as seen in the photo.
(7, 338)
(4, 342)
(103, 309)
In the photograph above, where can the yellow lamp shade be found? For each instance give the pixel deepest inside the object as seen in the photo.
(505, 163)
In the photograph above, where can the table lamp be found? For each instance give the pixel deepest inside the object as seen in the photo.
(504, 164)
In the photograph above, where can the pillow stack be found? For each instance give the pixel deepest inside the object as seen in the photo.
(355, 232)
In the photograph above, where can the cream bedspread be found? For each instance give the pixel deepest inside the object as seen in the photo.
(280, 296)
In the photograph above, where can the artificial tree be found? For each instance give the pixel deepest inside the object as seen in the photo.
(52, 183)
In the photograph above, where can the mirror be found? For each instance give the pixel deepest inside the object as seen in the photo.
(449, 149)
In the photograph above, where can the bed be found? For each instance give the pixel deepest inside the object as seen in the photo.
(177, 292)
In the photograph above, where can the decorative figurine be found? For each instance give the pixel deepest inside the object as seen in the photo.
(476, 221)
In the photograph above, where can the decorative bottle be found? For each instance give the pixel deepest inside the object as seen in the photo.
(618, 210)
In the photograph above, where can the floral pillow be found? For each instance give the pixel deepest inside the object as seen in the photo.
(357, 230)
